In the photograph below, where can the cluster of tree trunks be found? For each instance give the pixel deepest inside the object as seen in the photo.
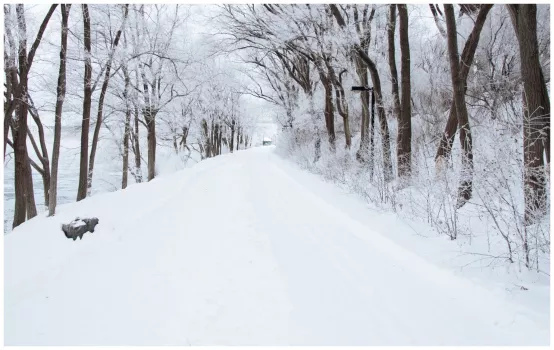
(216, 134)
(17, 101)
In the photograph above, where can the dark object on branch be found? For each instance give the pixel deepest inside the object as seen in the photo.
(78, 227)
(469, 9)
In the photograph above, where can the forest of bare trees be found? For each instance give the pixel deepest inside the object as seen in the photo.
(130, 74)
(468, 72)
(125, 72)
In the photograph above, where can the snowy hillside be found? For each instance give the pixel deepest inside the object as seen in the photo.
(247, 249)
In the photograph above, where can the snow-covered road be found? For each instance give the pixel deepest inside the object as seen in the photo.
(237, 251)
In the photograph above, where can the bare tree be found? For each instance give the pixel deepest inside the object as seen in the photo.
(60, 98)
(25, 207)
(404, 141)
(157, 91)
(101, 100)
(363, 29)
(87, 100)
(385, 136)
(127, 128)
(466, 184)
(536, 118)
(392, 61)
(468, 53)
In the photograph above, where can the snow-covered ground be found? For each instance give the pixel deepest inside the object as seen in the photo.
(244, 249)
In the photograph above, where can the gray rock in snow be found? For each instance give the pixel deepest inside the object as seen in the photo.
(78, 227)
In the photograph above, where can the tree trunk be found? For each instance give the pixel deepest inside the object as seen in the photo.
(238, 137)
(136, 149)
(220, 139)
(60, 97)
(347, 132)
(83, 167)
(242, 137)
(329, 112)
(404, 140)
(466, 176)
(385, 135)
(151, 127)
(213, 146)
(536, 117)
(42, 153)
(24, 194)
(342, 108)
(372, 133)
(101, 102)
(127, 130)
(206, 134)
(361, 70)
(30, 192)
(341, 103)
(10, 72)
(232, 139)
(392, 62)
(468, 53)
(125, 170)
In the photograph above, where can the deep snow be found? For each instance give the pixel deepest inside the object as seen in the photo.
(245, 249)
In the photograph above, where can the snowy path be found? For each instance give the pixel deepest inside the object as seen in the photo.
(236, 251)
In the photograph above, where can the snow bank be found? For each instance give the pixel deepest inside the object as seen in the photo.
(246, 249)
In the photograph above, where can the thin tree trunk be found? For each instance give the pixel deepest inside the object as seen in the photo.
(136, 142)
(206, 134)
(30, 192)
(242, 137)
(536, 117)
(125, 171)
(87, 100)
(151, 128)
(404, 141)
(101, 101)
(361, 70)
(232, 139)
(329, 112)
(220, 139)
(466, 176)
(60, 97)
(217, 143)
(445, 145)
(372, 133)
(342, 105)
(127, 130)
(41, 153)
(392, 62)
(343, 112)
